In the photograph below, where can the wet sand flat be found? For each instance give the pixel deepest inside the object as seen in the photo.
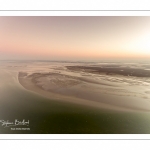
(81, 86)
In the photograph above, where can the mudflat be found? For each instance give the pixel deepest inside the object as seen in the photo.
(93, 86)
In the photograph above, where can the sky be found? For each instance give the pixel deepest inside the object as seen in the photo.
(74, 38)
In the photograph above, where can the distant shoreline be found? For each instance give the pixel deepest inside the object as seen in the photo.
(112, 70)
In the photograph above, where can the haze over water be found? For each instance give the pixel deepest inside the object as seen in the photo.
(74, 38)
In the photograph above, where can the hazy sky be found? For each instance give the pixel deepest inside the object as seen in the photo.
(74, 37)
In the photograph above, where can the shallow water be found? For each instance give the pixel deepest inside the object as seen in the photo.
(50, 116)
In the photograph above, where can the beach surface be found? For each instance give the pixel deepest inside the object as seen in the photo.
(119, 88)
